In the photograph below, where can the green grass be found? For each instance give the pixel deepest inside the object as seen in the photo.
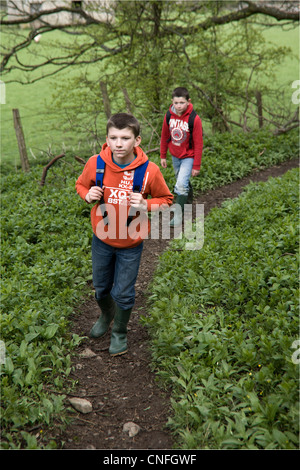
(38, 127)
(43, 127)
(288, 71)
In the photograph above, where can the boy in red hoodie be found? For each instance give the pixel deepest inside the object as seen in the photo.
(116, 247)
(186, 154)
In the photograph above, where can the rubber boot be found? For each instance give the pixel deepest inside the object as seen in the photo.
(118, 342)
(190, 194)
(177, 219)
(101, 326)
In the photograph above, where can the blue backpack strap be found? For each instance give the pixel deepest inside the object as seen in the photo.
(138, 178)
(100, 171)
(99, 182)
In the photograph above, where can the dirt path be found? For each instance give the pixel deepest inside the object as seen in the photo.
(124, 388)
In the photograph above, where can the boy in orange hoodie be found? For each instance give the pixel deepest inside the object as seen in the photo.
(116, 247)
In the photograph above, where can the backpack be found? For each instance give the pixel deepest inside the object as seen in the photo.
(138, 179)
(190, 124)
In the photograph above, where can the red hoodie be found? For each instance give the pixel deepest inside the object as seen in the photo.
(178, 131)
(118, 184)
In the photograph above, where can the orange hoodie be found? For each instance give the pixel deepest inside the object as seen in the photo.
(118, 185)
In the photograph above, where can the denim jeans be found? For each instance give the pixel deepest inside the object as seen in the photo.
(183, 169)
(115, 271)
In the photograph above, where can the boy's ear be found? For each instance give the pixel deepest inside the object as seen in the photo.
(107, 141)
(138, 140)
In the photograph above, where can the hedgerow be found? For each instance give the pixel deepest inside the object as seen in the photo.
(223, 320)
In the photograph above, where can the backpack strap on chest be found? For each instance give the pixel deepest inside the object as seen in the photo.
(138, 178)
(99, 182)
(100, 171)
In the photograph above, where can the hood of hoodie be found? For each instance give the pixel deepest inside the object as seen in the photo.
(106, 154)
(187, 112)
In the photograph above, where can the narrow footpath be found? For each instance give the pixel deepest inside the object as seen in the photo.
(124, 389)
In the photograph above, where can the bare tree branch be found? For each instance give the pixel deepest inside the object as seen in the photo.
(240, 11)
(289, 125)
(30, 18)
(46, 168)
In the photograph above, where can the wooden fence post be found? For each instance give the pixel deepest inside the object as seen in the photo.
(21, 140)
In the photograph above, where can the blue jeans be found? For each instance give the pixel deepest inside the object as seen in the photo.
(183, 169)
(115, 271)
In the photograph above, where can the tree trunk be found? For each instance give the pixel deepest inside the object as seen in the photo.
(105, 98)
(259, 109)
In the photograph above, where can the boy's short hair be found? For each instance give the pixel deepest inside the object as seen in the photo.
(122, 120)
(181, 91)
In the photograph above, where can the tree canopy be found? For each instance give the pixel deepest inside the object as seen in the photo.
(140, 50)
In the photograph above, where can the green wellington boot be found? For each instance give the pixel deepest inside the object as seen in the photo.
(190, 197)
(177, 219)
(101, 326)
(118, 342)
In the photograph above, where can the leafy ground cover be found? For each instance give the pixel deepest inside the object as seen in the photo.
(229, 157)
(223, 320)
(45, 261)
(45, 266)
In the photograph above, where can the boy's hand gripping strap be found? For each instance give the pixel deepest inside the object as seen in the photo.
(138, 179)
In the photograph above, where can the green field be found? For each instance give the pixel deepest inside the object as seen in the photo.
(42, 125)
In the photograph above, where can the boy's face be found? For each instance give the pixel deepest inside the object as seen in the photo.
(122, 143)
(180, 104)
